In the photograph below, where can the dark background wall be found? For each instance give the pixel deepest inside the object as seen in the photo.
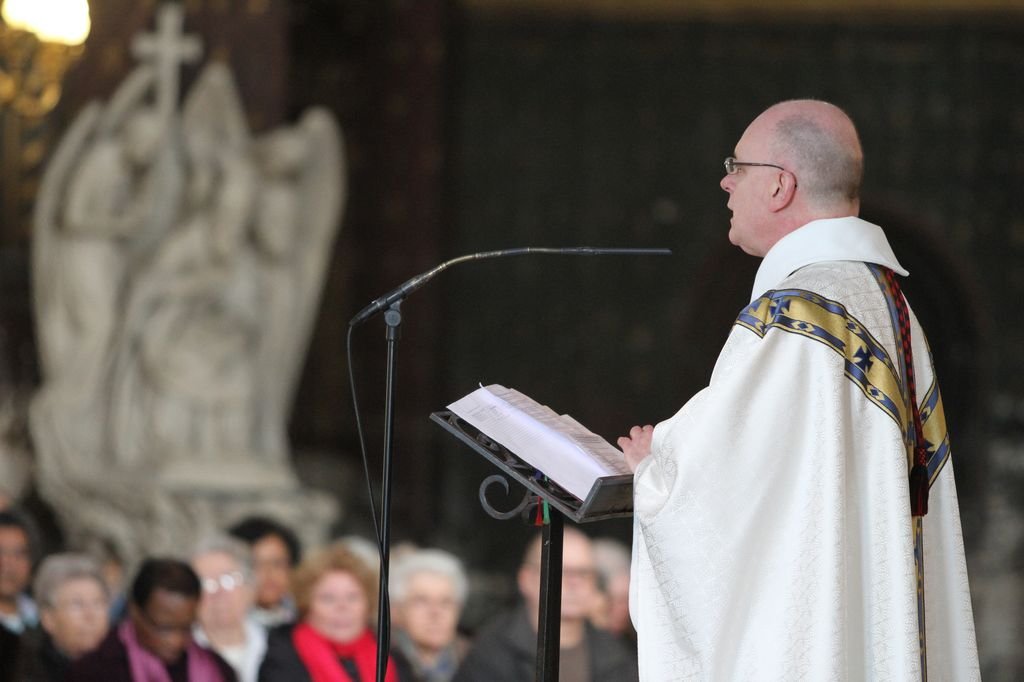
(589, 132)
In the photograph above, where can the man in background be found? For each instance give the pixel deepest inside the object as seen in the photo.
(17, 539)
(611, 613)
(224, 624)
(275, 553)
(506, 649)
(154, 643)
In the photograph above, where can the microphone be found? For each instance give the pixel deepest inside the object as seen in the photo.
(414, 283)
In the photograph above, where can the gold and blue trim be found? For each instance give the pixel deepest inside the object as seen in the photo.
(828, 322)
(936, 437)
(867, 364)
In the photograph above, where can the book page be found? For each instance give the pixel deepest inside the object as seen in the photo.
(566, 451)
(609, 456)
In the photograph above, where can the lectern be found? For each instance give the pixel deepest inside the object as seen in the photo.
(610, 497)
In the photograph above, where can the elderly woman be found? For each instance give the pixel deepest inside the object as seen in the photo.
(334, 593)
(224, 567)
(73, 608)
(428, 590)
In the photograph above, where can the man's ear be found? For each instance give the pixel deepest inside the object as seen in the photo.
(783, 190)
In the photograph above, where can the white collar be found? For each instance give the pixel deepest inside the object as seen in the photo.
(819, 241)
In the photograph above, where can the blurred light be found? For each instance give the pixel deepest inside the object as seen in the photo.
(53, 21)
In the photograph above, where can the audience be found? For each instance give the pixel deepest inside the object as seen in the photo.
(505, 650)
(207, 622)
(17, 548)
(334, 593)
(154, 643)
(225, 573)
(73, 603)
(428, 590)
(275, 552)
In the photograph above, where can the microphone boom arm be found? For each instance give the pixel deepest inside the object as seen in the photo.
(414, 283)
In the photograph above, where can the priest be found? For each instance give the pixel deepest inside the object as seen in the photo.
(797, 518)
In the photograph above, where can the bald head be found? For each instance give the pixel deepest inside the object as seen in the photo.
(819, 143)
(579, 586)
(797, 162)
(574, 542)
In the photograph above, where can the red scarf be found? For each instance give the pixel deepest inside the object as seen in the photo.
(321, 656)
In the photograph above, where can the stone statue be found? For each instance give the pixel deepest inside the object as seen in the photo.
(79, 257)
(177, 269)
(183, 375)
(293, 231)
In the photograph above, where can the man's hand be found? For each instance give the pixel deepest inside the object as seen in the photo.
(637, 445)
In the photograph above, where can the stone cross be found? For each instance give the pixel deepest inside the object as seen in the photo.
(168, 48)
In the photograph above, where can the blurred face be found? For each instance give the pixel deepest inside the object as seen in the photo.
(77, 619)
(618, 604)
(749, 189)
(15, 563)
(579, 579)
(226, 596)
(164, 625)
(429, 613)
(338, 607)
(579, 584)
(271, 567)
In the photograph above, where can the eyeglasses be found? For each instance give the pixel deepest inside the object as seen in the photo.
(81, 605)
(572, 573)
(225, 582)
(423, 602)
(732, 165)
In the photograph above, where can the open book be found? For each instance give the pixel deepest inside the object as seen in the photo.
(558, 445)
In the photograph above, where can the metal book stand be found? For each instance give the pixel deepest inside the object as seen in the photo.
(610, 497)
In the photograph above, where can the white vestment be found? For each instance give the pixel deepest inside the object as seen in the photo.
(773, 538)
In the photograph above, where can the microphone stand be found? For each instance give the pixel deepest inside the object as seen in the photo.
(393, 320)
